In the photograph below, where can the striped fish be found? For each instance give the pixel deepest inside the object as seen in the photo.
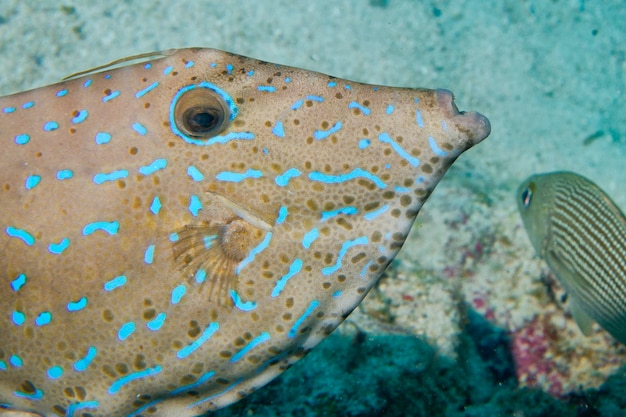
(581, 234)
(177, 232)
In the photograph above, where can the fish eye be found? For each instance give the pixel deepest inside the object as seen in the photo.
(201, 113)
(527, 196)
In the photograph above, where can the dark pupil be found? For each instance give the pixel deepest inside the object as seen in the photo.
(526, 197)
(201, 121)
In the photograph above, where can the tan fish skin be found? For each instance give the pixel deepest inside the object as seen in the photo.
(176, 233)
(581, 234)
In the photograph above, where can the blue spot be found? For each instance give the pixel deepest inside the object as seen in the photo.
(64, 174)
(173, 237)
(337, 293)
(102, 138)
(82, 364)
(32, 181)
(323, 134)
(310, 237)
(436, 150)
(20, 234)
(146, 90)
(111, 176)
(399, 189)
(279, 129)
(55, 372)
(200, 276)
(294, 330)
(61, 93)
(347, 87)
(229, 68)
(117, 385)
(282, 215)
(389, 109)
(238, 177)
(315, 98)
(107, 76)
(356, 173)
(28, 105)
(418, 118)
(43, 318)
(156, 165)
(206, 335)
(139, 128)
(22, 139)
(178, 293)
(80, 117)
(254, 252)
(295, 267)
(126, 330)
(266, 88)
(18, 318)
(283, 180)
(385, 138)
(155, 207)
(189, 64)
(16, 361)
(241, 305)
(157, 322)
(444, 125)
(50, 126)
(354, 105)
(87, 83)
(109, 227)
(148, 257)
(77, 305)
(110, 96)
(8, 109)
(195, 205)
(18, 282)
(3, 366)
(373, 214)
(343, 210)
(331, 84)
(250, 73)
(364, 143)
(342, 252)
(297, 105)
(263, 337)
(148, 65)
(195, 173)
(115, 283)
(58, 248)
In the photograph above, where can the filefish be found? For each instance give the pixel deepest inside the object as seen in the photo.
(177, 232)
(581, 234)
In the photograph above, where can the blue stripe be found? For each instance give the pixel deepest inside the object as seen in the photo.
(206, 335)
(58, 248)
(117, 385)
(20, 234)
(323, 134)
(77, 305)
(115, 283)
(109, 227)
(263, 337)
(283, 180)
(295, 267)
(294, 329)
(146, 90)
(255, 251)
(238, 177)
(342, 252)
(385, 138)
(436, 150)
(355, 173)
(82, 364)
(111, 176)
(310, 237)
(18, 282)
(154, 166)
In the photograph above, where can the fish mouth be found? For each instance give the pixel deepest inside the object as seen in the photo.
(474, 126)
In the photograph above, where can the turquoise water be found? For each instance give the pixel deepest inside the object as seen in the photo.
(551, 78)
